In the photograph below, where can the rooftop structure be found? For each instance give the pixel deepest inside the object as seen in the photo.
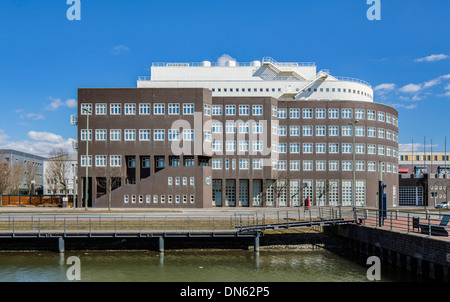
(266, 78)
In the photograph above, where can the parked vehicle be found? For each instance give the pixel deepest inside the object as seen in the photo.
(443, 205)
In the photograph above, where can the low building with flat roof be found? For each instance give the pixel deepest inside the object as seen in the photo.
(423, 178)
(32, 169)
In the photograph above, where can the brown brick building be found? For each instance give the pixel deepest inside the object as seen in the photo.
(192, 146)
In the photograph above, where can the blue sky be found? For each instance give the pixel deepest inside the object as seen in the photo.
(45, 58)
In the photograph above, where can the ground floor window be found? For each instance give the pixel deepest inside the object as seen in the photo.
(346, 192)
(294, 192)
(308, 191)
(360, 193)
(333, 193)
(410, 196)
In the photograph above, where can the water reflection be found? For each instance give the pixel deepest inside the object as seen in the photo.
(185, 266)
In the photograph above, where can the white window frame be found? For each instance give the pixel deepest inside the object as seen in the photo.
(144, 135)
(145, 109)
(115, 109)
(130, 109)
(188, 109)
(159, 109)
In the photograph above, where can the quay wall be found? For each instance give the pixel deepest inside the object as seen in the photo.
(411, 251)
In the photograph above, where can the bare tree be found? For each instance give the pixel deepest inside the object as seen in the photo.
(5, 173)
(110, 182)
(30, 174)
(58, 170)
(322, 190)
(15, 179)
(282, 184)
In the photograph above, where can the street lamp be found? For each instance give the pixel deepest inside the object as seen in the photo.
(354, 169)
(74, 172)
(86, 196)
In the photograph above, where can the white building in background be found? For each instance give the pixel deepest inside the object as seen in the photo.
(27, 161)
(266, 78)
(50, 186)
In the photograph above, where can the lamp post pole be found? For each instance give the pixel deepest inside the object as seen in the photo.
(354, 170)
(86, 196)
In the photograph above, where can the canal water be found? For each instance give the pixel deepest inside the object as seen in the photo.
(280, 265)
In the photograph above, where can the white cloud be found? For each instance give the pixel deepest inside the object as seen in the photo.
(3, 136)
(38, 143)
(415, 147)
(119, 49)
(224, 58)
(432, 58)
(432, 83)
(57, 102)
(45, 137)
(32, 116)
(411, 88)
(410, 106)
(447, 91)
(384, 88)
(413, 92)
(71, 103)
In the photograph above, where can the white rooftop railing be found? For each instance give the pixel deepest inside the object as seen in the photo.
(199, 64)
(347, 79)
(236, 64)
(144, 78)
(287, 64)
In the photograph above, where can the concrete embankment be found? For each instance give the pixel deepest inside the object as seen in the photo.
(410, 251)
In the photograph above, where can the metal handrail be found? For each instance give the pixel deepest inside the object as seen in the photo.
(287, 64)
(197, 64)
(157, 223)
(402, 221)
(348, 79)
(238, 64)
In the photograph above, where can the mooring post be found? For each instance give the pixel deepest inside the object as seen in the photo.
(445, 274)
(408, 263)
(398, 260)
(419, 266)
(61, 244)
(256, 245)
(431, 272)
(161, 244)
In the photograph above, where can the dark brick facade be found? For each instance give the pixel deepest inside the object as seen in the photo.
(234, 186)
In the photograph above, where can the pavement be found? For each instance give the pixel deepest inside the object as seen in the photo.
(69, 210)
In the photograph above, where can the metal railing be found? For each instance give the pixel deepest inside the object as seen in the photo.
(347, 79)
(35, 225)
(107, 224)
(286, 64)
(426, 222)
(199, 64)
